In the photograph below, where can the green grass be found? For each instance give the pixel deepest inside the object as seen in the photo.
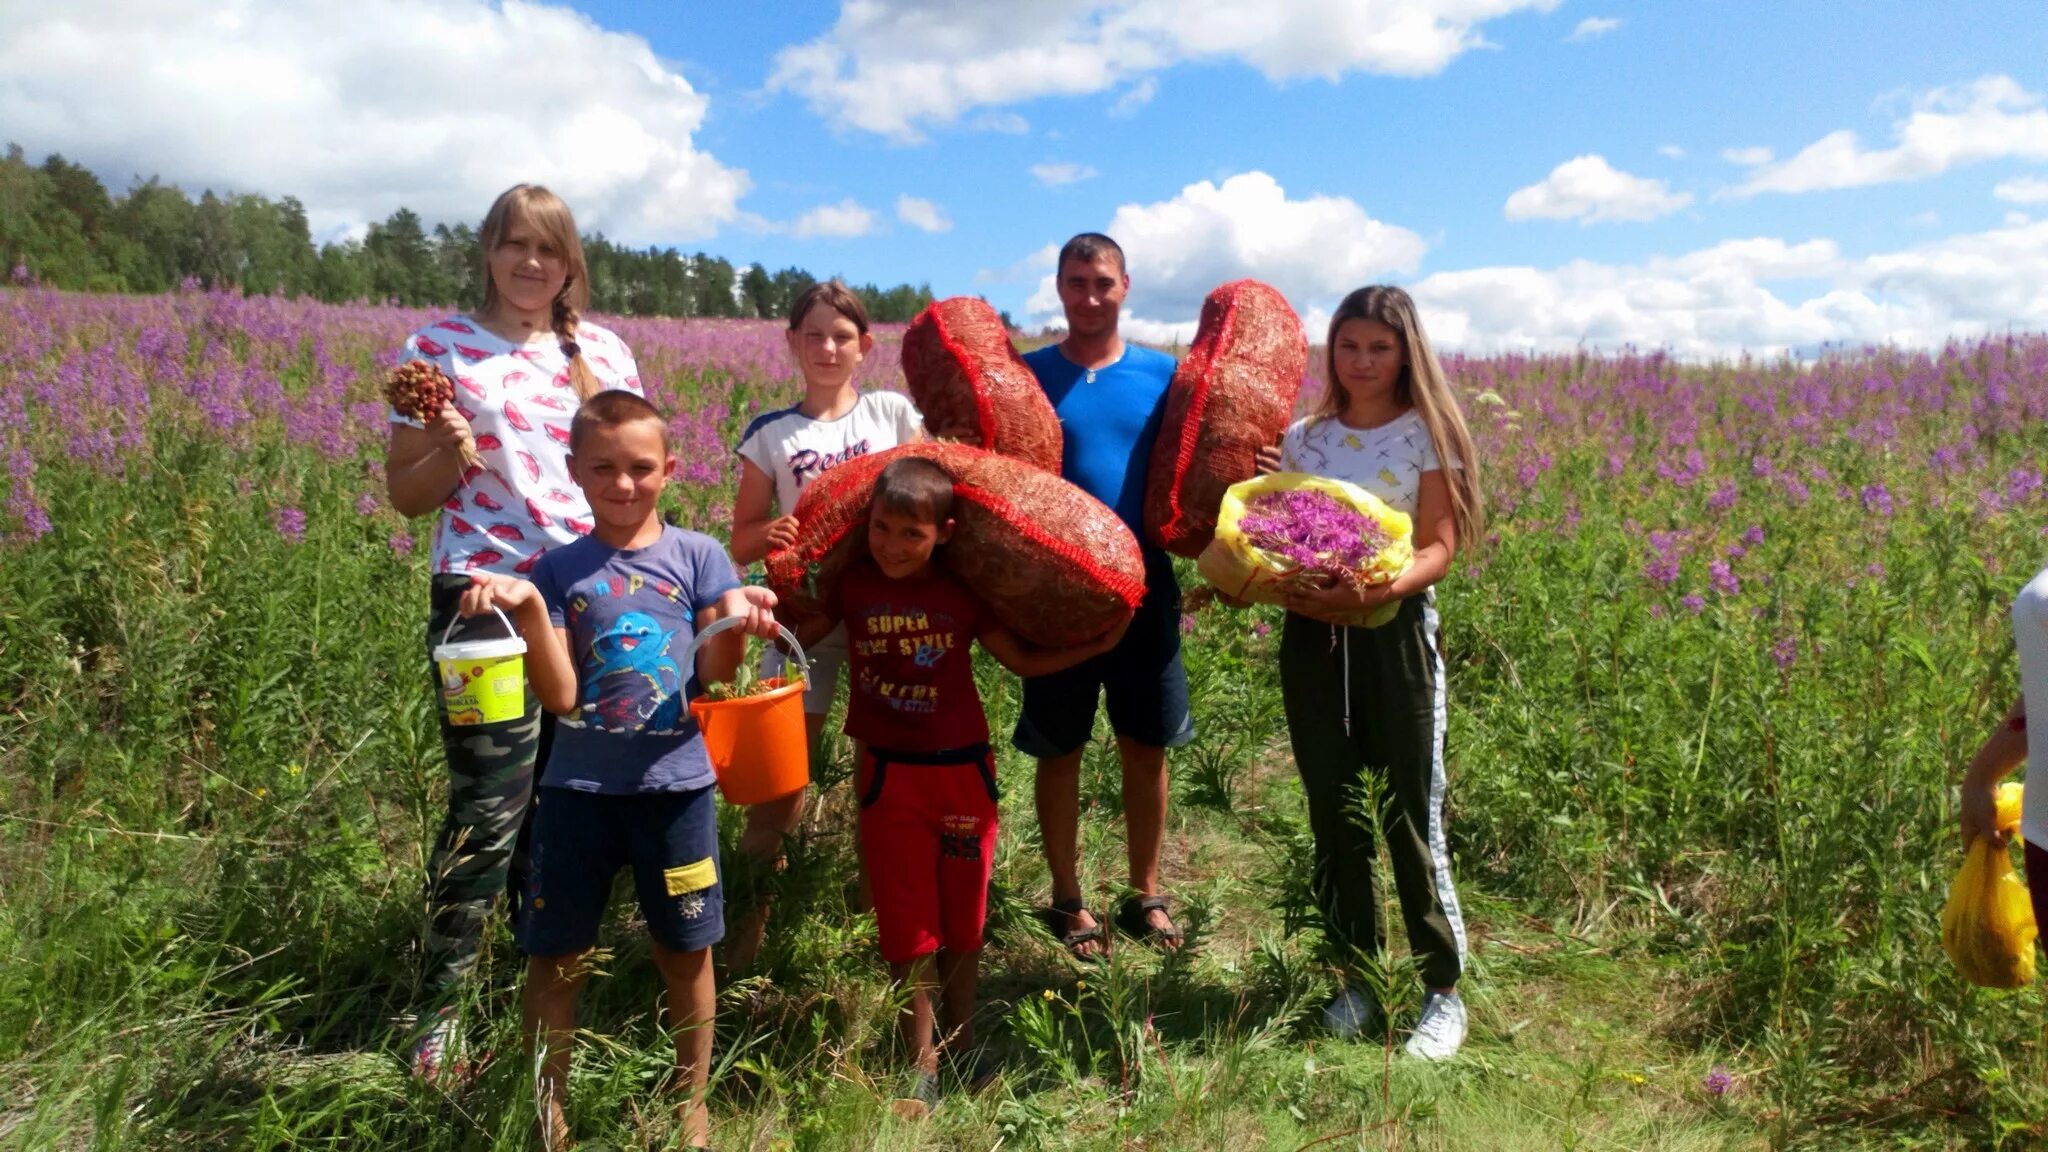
(219, 771)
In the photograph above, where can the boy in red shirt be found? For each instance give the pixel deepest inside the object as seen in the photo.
(925, 774)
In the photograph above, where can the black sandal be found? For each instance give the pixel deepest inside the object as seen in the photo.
(1132, 920)
(1059, 914)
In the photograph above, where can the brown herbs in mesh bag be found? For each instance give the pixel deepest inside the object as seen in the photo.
(1233, 395)
(972, 387)
(1054, 565)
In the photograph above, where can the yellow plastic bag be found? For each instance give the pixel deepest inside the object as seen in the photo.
(1988, 926)
(1245, 572)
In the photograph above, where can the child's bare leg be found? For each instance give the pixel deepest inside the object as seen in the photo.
(549, 1019)
(915, 1021)
(959, 978)
(768, 825)
(692, 1000)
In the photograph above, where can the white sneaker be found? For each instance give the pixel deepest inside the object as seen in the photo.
(1349, 1014)
(430, 1047)
(1441, 1031)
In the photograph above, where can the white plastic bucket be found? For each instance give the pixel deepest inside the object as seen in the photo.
(482, 681)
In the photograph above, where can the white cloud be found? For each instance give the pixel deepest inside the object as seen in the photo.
(1926, 219)
(1313, 249)
(2023, 190)
(1988, 119)
(1135, 97)
(922, 214)
(1589, 190)
(900, 67)
(840, 221)
(1007, 123)
(1747, 157)
(1592, 28)
(1740, 296)
(360, 108)
(1029, 268)
(1055, 175)
(1671, 152)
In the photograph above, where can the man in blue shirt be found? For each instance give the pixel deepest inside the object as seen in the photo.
(1110, 397)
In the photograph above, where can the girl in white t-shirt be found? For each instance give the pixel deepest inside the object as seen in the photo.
(522, 364)
(780, 454)
(1371, 700)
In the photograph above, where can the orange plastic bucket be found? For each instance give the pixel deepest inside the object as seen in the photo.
(758, 745)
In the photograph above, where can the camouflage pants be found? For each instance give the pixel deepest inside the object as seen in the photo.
(481, 849)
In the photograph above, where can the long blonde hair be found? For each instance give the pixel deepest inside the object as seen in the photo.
(1423, 387)
(544, 212)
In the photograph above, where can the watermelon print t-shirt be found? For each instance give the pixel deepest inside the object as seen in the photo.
(518, 400)
(631, 615)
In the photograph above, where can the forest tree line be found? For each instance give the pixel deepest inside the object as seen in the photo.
(59, 226)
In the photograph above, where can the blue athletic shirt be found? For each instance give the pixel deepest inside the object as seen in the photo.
(630, 615)
(1109, 418)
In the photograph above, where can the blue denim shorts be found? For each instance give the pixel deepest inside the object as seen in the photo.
(582, 839)
(1143, 678)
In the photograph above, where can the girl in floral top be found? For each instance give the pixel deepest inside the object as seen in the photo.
(522, 363)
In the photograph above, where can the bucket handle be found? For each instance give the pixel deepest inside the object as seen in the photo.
(803, 663)
(510, 631)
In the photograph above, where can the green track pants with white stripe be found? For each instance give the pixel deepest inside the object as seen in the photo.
(1395, 729)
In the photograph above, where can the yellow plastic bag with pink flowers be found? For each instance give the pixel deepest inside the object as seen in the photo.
(1988, 926)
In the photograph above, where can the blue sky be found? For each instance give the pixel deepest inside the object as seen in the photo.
(1543, 173)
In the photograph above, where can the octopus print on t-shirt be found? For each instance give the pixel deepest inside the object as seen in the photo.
(520, 501)
(631, 615)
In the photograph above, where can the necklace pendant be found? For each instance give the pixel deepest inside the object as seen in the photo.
(1091, 376)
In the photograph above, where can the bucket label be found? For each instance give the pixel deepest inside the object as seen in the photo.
(488, 690)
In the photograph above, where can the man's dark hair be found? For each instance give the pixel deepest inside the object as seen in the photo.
(917, 488)
(1087, 246)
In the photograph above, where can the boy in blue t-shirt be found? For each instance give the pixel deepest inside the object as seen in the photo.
(608, 621)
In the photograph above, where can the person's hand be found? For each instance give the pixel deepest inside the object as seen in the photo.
(1231, 602)
(1268, 459)
(1980, 814)
(1339, 601)
(449, 430)
(755, 606)
(782, 534)
(488, 590)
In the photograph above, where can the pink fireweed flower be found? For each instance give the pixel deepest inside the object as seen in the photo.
(290, 523)
(1722, 576)
(366, 505)
(1313, 530)
(1723, 498)
(1877, 500)
(1784, 652)
(401, 543)
(1694, 603)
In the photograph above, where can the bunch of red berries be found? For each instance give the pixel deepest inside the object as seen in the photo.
(420, 390)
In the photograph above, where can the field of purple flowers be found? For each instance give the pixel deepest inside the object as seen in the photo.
(1735, 630)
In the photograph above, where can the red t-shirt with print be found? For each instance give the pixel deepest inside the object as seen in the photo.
(910, 645)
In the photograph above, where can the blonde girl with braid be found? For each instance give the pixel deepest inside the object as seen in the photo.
(1371, 701)
(523, 362)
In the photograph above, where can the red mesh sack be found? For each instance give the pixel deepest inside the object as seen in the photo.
(1233, 395)
(971, 386)
(1054, 565)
